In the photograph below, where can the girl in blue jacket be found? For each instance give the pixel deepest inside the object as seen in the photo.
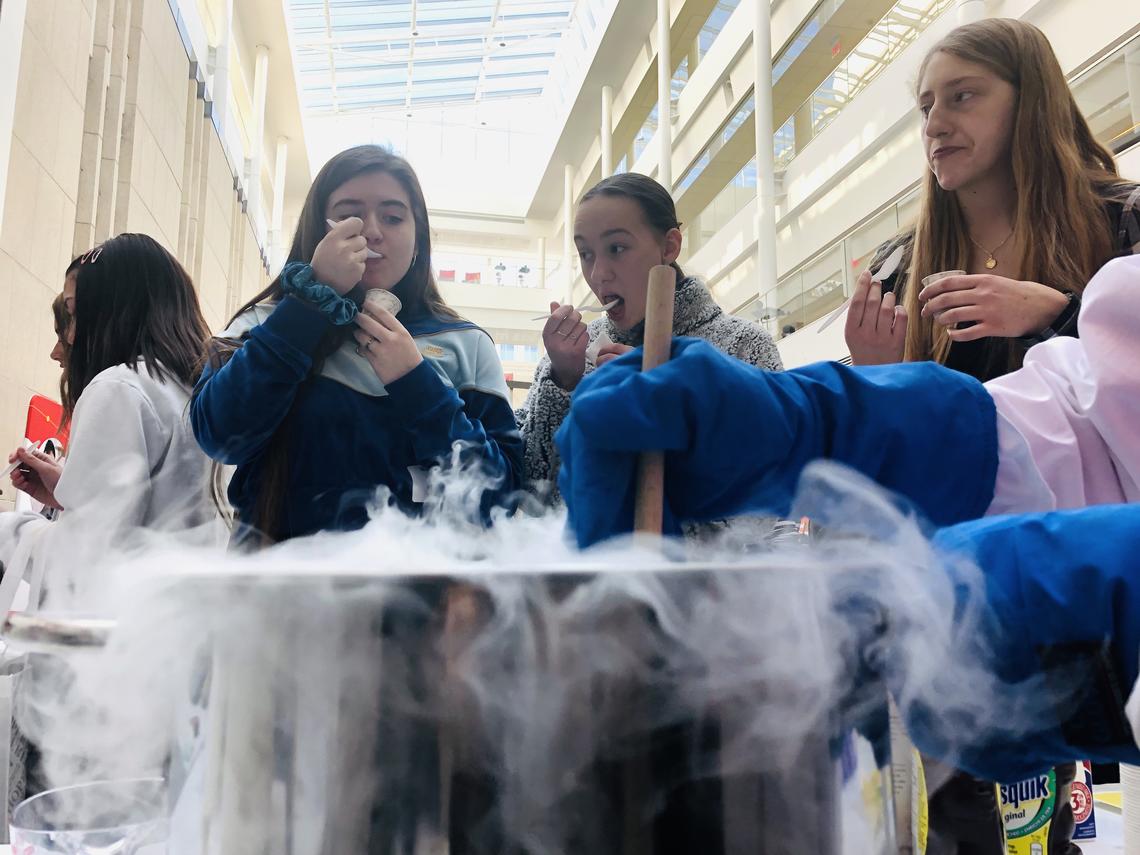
(319, 402)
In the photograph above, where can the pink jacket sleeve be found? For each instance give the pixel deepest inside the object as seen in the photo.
(1069, 420)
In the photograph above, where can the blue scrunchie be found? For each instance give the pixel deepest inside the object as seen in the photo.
(297, 279)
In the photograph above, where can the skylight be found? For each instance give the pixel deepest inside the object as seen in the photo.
(355, 55)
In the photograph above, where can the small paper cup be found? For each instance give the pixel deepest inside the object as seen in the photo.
(934, 277)
(378, 297)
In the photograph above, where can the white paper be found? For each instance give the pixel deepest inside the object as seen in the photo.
(597, 344)
(419, 483)
(26, 444)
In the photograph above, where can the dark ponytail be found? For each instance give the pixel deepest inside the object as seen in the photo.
(654, 200)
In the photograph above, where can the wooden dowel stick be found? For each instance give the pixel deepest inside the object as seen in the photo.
(648, 515)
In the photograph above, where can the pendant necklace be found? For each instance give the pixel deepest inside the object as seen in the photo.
(990, 261)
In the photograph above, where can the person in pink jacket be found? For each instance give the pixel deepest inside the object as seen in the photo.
(1068, 422)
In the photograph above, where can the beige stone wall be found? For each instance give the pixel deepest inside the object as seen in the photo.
(109, 135)
(159, 121)
(40, 203)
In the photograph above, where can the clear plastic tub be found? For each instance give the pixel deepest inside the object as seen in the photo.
(105, 817)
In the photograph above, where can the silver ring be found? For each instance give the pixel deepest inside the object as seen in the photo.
(368, 344)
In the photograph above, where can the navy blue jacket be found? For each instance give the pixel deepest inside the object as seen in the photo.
(346, 435)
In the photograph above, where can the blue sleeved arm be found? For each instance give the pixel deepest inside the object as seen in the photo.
(436, 417)
(737, 438)
(237, 407)
(1064, 597)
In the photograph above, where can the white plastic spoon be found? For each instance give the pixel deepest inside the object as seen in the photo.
(370, 253)
(27, 444)
(884, 272)
(590, 308)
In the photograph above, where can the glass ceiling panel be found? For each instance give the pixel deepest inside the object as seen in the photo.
(431, 50)
(385, 77)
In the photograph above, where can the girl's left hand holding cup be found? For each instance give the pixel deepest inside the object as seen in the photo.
(386, 344)
(975, 306)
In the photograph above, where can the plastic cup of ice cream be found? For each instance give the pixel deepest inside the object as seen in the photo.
(379, 298)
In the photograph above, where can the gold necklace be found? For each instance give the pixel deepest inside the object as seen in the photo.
(990, 261)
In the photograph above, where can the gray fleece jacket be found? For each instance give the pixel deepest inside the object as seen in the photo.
(695, 314)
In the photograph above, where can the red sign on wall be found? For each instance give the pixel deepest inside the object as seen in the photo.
(45, 421)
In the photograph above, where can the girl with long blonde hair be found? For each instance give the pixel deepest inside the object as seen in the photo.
(1018, 195)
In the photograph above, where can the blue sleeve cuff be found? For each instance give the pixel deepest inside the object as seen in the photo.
(917, 428)
(987, 454)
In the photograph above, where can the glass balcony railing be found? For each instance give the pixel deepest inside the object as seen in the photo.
(878, 49)
(735, 122)
(715, 23)
(717, 18)
(1108, 93)
(724, 206)
(893, 34)
(709, 32)
(824, 282)
(645, 134)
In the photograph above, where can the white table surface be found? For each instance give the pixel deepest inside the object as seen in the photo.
(1109, 834)
(1109, 841)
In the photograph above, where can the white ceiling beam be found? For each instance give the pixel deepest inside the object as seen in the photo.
(332, 56)
(411, 56)
(491, 35)
(438, 34)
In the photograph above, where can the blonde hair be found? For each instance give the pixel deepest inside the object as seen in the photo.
(1060, 174)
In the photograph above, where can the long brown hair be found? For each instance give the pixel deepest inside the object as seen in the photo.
(417, 290)
(133, 301)
(61, 322)
(1062, 177)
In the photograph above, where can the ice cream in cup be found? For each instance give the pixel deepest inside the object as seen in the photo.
(379, 298)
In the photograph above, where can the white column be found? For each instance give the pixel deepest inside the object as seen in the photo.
(279, 242)
(1132, 71)
(971, 10)
(260, 85)
(607, 131)
(664, 98)
(220, 88)
(765, 147)
(567, 231)
(542, 262)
